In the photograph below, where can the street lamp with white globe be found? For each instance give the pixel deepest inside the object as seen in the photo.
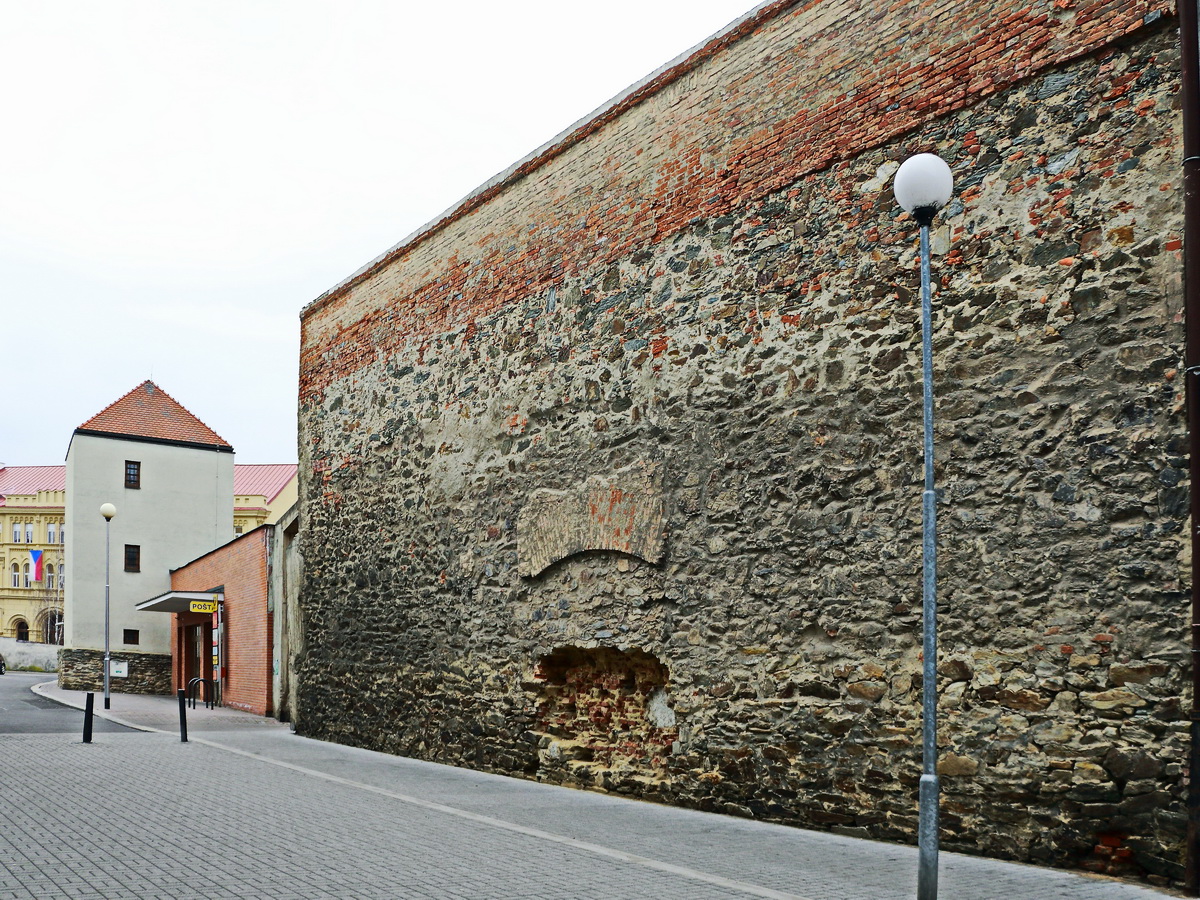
(108, 511)
(923, 185)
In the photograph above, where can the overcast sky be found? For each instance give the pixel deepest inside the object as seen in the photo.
(178, 179)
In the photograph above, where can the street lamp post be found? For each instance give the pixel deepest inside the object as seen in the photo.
(923, 185)
(108, 511)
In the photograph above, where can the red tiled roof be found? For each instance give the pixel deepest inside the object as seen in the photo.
(262, 480)
(31, 479)
(149, 412)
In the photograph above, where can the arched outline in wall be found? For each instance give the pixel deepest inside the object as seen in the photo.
(620, 512)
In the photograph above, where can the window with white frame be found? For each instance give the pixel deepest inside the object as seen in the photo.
(29, 532)
(48, 576)
(16, 532)
(26, 573)
(62, 575)
(16, 576)
(52, 533)
(62, 533)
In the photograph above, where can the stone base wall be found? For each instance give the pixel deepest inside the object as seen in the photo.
(83, 670)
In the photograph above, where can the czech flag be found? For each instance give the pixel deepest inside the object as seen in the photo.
(36, 557)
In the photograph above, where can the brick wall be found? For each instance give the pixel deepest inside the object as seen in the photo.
(712, 281)
(602, 712)
(241, 566)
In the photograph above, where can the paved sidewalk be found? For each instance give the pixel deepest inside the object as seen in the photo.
(161, 713)
(247, 809)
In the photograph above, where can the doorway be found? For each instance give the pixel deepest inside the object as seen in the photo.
(197, 643)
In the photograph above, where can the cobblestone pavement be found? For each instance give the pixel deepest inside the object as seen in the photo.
(247, 809)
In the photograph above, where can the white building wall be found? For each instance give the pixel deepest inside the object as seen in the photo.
(183, 509)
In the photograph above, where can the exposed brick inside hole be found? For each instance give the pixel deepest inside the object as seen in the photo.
(604, 713)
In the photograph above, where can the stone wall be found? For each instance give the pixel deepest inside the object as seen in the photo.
(83, 670)
(725, 344)
(25, 655)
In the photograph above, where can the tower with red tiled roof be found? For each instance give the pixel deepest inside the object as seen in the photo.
(171, 478)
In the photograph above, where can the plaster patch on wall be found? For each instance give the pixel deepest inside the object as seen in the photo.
(622, 511)
(658, 710)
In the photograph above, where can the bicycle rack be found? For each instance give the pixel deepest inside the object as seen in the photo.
(210, 692)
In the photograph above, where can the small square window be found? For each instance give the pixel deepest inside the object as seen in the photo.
(133, 474)
(132, 636)
(133, 558)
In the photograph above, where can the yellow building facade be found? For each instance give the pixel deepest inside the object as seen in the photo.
(32, 516)
(32, 509)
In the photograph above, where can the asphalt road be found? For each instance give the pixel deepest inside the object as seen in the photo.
(24, 712)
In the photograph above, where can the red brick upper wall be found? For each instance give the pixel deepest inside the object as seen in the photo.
(787, 92)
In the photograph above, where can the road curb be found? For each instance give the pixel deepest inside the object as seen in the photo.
(107, 716)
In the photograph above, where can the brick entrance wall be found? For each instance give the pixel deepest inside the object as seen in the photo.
(604, 719)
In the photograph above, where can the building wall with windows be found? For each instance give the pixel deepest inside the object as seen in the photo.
(170, 478)
(181, 506)
(611, 475)
(32, 517)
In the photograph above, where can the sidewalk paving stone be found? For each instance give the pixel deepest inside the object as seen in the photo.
(246, 808)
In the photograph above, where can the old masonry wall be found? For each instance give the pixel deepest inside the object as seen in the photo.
(612, 477)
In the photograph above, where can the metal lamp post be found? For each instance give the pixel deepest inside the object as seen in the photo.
(923, 185)
(108, 511)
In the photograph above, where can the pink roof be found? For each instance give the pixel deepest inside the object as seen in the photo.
(265, 480)
(31, 479)
(255, 480)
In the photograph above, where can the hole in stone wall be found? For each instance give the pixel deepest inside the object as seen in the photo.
(603, 713)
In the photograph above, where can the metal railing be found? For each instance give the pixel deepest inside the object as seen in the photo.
(211, 696)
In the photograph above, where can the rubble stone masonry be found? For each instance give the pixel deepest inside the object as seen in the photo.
(83, 670)
(612, 477)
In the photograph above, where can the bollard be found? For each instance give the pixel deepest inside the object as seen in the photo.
(182, 716)
(87, 718)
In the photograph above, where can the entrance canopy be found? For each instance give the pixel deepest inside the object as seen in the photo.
(183, 601)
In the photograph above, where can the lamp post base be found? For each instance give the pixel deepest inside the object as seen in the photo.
(927, 839)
